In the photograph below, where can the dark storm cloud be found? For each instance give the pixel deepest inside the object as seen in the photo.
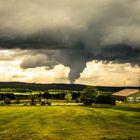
(120, 53)
(71, 33)
(38, 41)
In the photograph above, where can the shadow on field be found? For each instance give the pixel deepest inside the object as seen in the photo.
(126, 108)
(115, 107)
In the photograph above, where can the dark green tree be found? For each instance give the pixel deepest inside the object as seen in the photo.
(89, 95)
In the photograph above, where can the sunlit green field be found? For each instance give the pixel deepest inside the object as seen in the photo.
(68, 123)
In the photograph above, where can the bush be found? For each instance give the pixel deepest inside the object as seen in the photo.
(1, 103)
(77, 100)
(75, 95)
(49, 103)
(25, 104)
(106, 99)
(43, 103)
(33, 103)
(17, 101)
(7, 101)
(87, 101)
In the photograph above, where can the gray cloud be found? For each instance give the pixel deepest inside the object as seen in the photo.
(34, 61)
(71, 33)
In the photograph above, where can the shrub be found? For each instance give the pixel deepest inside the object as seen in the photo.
(17, 101)
(43, 103)
(49, 103)
(33, 103)
(25, 104)
(7, 101)
(87, 101)
(77, 100)
(113, 100)
(106, 99)
(75, 95)
(1, 103)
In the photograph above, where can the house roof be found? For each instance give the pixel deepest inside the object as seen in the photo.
(126, 92)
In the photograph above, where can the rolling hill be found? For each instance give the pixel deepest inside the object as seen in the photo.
(78, 87)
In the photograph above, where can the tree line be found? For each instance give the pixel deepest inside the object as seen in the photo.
(88, 96)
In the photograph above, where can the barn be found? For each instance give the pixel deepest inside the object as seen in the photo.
(128, 95)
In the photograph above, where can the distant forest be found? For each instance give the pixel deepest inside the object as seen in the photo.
(42, 87)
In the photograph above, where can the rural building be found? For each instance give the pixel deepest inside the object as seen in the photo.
(128, 95)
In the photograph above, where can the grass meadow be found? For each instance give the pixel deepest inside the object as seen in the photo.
(68, 123)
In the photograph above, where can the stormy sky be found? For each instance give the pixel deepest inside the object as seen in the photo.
(67, 40)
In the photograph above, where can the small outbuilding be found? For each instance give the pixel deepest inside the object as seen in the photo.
(128, 95)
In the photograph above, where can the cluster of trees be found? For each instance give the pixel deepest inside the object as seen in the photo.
(8, 101)
(20, 93)
(12, 96)
(88, 96)
(92, 95)
(61, 96)
(7, 95)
